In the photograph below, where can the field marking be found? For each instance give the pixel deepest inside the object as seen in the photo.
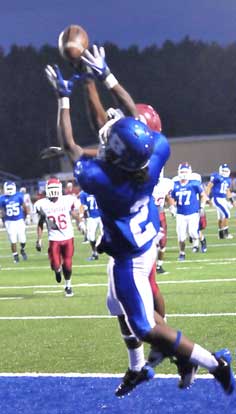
(162, 282)
(227, 260)
(41, 292)
(62, 317)
(92, 375)
(24, 268)
(12, 298)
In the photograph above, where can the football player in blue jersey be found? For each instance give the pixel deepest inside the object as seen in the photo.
(93, 221)
(189, 197)
(219, 190)
(14, 212)
(122, 175)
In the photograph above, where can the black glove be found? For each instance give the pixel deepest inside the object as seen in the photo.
(38, 245)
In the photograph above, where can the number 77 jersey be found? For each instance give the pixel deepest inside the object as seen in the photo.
(187, 196)
(57, 216)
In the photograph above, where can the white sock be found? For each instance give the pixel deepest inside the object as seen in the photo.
(136, 358)
(68, 283)
(204, 358)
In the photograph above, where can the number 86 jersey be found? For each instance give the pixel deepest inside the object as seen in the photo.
(57, 216)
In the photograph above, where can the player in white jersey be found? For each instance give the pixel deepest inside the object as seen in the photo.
(161, 194)
(55, 210)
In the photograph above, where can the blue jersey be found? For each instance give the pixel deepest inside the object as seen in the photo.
(89, 201)
(12, 206)
(129, 215)
(187, 196)
(220, 185)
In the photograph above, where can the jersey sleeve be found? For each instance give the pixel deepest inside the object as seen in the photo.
(36, 207)
(89, 175)
(159, 157)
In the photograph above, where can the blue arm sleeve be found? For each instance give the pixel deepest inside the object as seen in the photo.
(160, 155)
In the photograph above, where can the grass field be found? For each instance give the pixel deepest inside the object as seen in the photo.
(42, 331)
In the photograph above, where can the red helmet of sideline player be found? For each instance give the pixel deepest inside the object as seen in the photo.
(53, 188)
(149, 116)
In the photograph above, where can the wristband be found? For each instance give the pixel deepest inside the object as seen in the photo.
(110, 81)
(231, 200)
(64, 102)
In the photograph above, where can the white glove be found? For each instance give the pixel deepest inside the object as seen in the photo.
(27, 219)
(97, 62)
(172, 210)
(82, 227)
(62, 87)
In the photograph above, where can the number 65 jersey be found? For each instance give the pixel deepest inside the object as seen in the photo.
(12, 205)
(57, 216)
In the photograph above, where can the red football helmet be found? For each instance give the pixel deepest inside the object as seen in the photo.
(53, 188)
(149, 116)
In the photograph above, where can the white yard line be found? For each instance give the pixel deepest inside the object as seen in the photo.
(88, 375)
(172, 315)
(229, 260)
(88, 285)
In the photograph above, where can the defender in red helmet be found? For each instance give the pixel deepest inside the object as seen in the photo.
(149, 116)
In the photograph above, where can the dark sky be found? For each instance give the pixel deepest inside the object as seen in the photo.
(123, 22)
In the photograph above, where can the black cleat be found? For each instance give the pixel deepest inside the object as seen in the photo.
(223, 373)
(94, 256)
(160, 270)
(186, 371)
(203, 246)
(134, 378)
(181, 257)
(58, 276)
(68, 292)
(16, 258)
(23, 254)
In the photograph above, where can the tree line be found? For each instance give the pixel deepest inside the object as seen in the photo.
(191, 84)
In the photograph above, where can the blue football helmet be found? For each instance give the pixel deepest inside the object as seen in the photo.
(9, 188)
(224, 170)
(129, 144)
(184, 171)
